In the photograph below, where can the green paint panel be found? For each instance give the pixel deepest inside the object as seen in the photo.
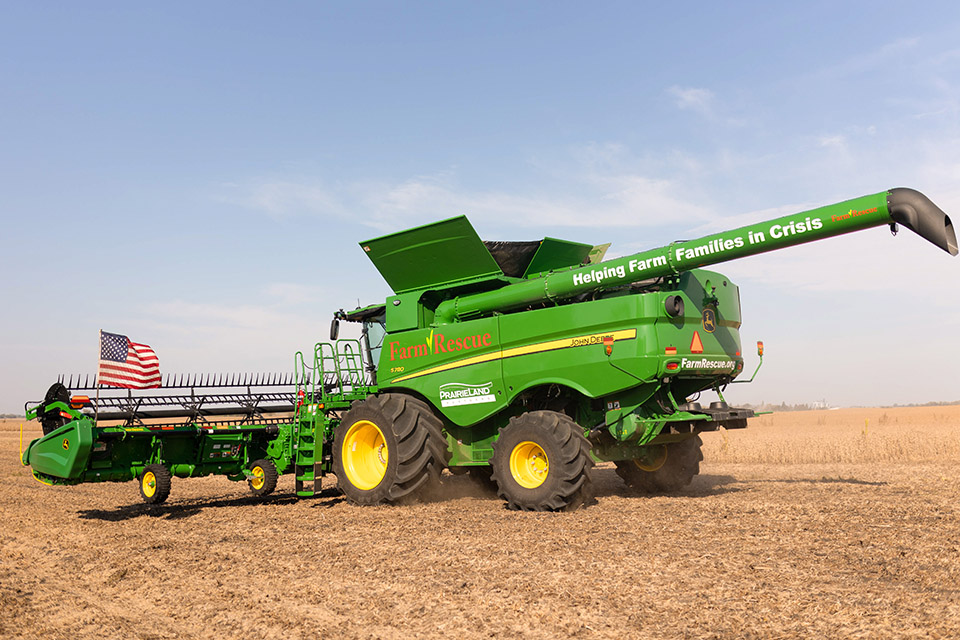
(456, 368)
(557, 254)
(434, 255)
(64, 452)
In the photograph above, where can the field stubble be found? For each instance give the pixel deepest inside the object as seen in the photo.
(907, 435)
(828, 523)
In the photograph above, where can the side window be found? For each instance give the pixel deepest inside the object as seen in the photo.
(373, 333)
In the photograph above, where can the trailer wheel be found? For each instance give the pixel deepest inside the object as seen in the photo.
(676, 470)
(264, 478)
(388, 449)
(541, 462)
(155, 484)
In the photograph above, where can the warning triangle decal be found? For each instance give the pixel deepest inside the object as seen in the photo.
(695, 345)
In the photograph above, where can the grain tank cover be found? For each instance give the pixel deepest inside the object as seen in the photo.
(526, 259)
(449, 253)
(557, 254)
(437, 255)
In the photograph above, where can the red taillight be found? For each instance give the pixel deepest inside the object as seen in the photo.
(672, 366)
(670, 351)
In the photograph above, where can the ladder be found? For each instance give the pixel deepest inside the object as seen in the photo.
(337, 378)
(307, 473)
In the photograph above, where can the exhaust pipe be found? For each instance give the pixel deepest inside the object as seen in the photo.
(916, 212)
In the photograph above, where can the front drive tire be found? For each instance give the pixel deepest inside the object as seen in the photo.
(541, 462)
(155, 484)
(388, 449)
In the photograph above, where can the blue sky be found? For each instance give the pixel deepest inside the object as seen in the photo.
(198, 175)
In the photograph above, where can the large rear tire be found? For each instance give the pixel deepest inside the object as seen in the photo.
(541, 462)
(389, 448)
(680, 465)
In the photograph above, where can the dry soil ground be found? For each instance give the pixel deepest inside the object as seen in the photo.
(822, 524)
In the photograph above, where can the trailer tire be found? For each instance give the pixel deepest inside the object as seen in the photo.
(264, 478)
(682, 463)
(541, 462)
(389, 449)
(155, 484)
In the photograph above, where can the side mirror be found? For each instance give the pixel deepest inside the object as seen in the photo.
(334, 328)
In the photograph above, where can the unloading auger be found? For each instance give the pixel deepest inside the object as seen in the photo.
(519, 363)
(895, 207)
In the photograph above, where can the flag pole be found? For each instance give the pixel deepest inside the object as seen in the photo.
(96, 408)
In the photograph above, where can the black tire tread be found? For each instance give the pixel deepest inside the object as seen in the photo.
(163, 476)
(421, 449)
(270, 477)
(573, 484)
(681, 466)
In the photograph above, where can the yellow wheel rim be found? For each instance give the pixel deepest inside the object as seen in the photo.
(652, 462)
(149, 483)
(257, 480)
(529, 465)
(364, 455)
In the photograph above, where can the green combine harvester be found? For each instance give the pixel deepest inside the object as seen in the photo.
(519, 363)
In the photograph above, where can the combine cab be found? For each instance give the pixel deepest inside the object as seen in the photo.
(519, 363)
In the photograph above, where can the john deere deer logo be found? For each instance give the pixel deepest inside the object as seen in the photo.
(65, 444)
(709, 320)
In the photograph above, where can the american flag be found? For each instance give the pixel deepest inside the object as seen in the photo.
(127, 364)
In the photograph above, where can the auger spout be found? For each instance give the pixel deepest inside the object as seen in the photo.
(904, 206)
(916, 212)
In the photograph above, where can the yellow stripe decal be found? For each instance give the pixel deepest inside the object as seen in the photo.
(552, 345)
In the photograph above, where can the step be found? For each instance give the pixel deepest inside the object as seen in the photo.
(307, 489)
(307, 480)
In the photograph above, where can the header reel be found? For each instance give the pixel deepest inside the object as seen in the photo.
(209, 399)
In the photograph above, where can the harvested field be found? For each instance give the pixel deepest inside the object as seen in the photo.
(814, 524)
